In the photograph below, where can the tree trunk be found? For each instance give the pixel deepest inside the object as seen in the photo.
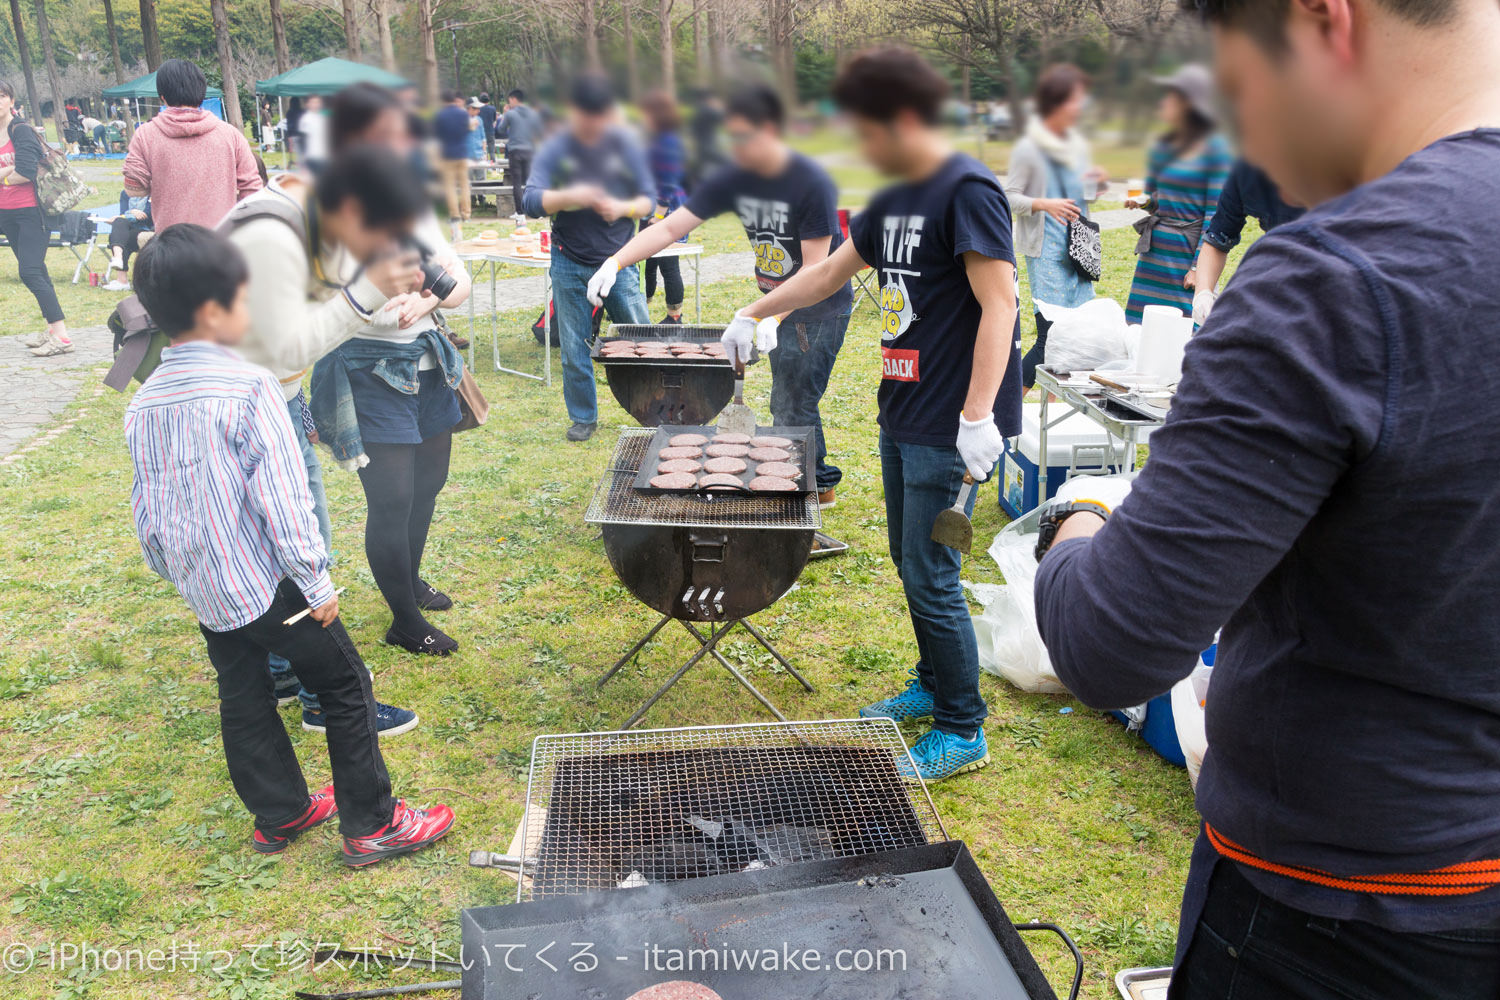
(667, 45)
(278, 36)
(588, 29)
(351, 32)
(44, 33)
(226, 63)
(150, 36)
(383, 29)
(700, 51)
(114, 41)
(632, 70)
(429, 51)
(33, 100)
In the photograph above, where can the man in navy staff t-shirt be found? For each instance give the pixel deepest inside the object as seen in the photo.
(789, 208)
(950, 354)
(592, 178)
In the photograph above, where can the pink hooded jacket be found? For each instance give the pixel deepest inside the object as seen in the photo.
(194, 167)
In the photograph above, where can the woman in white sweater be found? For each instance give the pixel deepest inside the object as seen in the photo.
(1048, 185)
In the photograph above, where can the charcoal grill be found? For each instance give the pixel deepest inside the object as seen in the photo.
(711, 559)
(631, 808)
(658, 391)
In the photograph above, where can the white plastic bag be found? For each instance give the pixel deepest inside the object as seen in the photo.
(1086, 338)
(1188, 697)
(1009, 643)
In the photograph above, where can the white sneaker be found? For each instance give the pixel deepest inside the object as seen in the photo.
(117, 286)
(37, 339)
(52, 346)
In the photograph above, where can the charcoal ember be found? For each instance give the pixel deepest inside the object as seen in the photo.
(680, 465)
(768, 455)
(725, 464)
(675, 481)
(726, 451)
(771, 484)
(681, 451)
(780, 470)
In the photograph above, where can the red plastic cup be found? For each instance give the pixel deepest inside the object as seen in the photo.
(94, 279)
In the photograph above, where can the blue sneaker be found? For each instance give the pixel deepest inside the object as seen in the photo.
(389, 720)
(939, 755)
(913, 703)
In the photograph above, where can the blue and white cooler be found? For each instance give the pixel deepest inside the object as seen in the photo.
(1075, 446)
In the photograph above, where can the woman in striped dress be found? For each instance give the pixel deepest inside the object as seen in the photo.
(1187, 170)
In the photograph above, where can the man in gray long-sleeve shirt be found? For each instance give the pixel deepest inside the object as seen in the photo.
(1315, 492)
(520, 127)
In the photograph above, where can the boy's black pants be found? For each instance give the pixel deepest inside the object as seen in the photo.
(262, 764)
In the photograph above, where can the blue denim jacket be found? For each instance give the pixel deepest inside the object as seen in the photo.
(333, 401)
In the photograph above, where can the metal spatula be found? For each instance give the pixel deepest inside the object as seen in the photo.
(737, 418)
(952, 527)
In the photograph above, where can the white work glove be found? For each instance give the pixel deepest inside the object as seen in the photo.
(979, 445)
(765, 334)
(603, 280)
(738, 338)
(1203, 304)
(1106, 491)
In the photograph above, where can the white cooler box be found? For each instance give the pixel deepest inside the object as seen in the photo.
(1075, 446)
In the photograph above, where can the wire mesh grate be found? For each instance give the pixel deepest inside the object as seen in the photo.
(669, 332)
(617, 501)
(624, 809)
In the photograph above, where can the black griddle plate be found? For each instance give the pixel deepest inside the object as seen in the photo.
(930, 904)
(803, 456)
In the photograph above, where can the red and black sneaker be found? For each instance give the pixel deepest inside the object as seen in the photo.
(320, 809)
(410, 829)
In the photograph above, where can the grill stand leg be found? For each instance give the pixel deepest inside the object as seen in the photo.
(760, 637)
(744, 681)
(634, 649)
(707, 648)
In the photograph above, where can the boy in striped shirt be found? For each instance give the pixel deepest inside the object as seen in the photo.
(222, 507)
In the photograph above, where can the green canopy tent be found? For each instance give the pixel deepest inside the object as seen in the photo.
(324, 77)
(144, 88)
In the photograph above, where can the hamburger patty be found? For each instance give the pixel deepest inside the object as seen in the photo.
(731, 438)
(732, 466)
(781, 470)
(769, 484)
(675, 481)
(719, 479)
(680, 465)
(726, 451)
(677, 989)
(770, 441)
(680, 452)
(768, 455)
(687, 441)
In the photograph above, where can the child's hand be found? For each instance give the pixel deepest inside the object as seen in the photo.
(324, 614)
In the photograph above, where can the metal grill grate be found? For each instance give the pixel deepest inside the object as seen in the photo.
(617, 501)
(669, 332)
(624, 809)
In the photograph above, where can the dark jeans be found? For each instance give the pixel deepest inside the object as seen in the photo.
(575, 327)
(1247, 946)
(125, 233)
(800, 367)
(920, 482)
(519, 166)
(27, 234)
(262, 764)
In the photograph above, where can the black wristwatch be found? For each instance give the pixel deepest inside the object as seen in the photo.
(1052, 520)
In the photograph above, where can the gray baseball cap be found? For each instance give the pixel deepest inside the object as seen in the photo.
(1195, 82)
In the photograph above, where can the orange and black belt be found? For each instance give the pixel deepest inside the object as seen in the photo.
(1454, 880)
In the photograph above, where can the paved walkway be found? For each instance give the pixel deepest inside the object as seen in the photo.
(43, 387)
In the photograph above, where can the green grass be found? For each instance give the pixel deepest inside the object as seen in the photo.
(120, 827)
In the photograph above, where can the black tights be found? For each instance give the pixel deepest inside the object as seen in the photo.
(401, 485)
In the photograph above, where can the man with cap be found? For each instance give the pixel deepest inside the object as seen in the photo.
(593, 179)
(1315, 494)
(1187, 170)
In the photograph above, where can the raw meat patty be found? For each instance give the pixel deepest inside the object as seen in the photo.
(731, 438)
(680, 452)
(682, 465)
(675, 481)
(769, 455)
(730, 465)
(687, 441)
(770, 484)
(678, 989)
(719, 479)
(726, 451)
(781, 470)
(770, 441)
(618, 345)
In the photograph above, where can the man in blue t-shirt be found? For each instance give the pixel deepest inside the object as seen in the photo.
(1321, 495)
(451, 128)
(487, 115)
(950, 392)
(593, 179)
(788, 206)
(1248, 194)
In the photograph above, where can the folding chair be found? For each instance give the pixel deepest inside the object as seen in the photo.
(864, 277)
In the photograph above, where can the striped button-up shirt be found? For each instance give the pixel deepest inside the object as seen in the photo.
(220, 496)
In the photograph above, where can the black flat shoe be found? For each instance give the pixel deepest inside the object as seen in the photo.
(434, 643)
(429, 598)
